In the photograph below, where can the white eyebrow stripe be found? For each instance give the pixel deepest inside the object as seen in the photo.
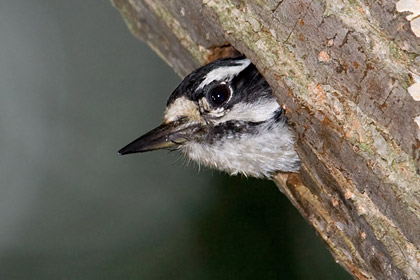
(222, 73)
(256, 112)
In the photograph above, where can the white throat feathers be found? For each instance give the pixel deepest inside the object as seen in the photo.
(259, 154)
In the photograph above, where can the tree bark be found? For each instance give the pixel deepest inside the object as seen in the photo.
(348, 74)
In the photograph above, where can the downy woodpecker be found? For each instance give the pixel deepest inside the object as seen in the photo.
(224, 115)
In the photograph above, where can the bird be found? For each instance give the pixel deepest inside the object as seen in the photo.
(224, 116)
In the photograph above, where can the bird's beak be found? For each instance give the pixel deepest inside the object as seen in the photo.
(167, 135)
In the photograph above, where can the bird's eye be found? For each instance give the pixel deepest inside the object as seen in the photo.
(219, 95)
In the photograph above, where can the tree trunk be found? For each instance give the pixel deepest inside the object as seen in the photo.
(348, 74)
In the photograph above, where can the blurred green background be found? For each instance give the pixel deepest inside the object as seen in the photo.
(75, 86)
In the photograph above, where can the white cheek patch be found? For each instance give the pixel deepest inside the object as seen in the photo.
(225, 73)
(182, 107)
(252, 112)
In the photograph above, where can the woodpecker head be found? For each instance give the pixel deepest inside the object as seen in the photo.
(224, 115)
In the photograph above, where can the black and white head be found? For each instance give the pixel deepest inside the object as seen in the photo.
(223, 115)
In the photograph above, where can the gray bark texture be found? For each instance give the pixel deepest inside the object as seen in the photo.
(347, 73)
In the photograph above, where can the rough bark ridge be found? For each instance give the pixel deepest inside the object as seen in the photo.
(348, 72)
